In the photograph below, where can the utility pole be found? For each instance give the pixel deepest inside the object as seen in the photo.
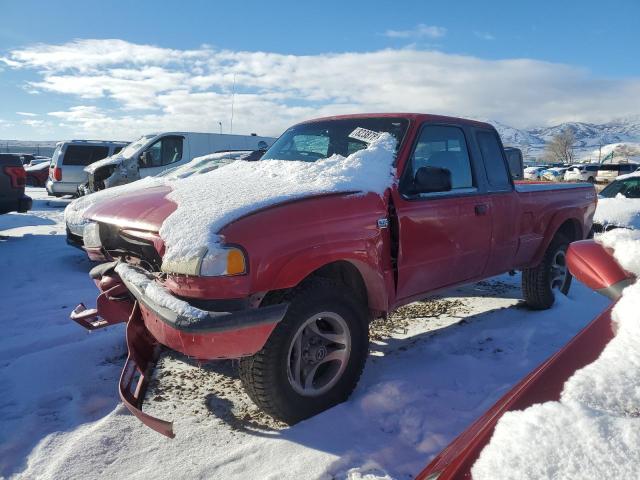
(220, 123)
(600, 153)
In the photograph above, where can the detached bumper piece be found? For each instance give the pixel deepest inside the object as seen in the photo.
(150, 326)
(114, 304)
(141, 360)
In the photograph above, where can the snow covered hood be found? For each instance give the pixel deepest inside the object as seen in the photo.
(74, 214)
(619, 211)
(112, 160)
(208, 202)
(211, 199)
(594, 430)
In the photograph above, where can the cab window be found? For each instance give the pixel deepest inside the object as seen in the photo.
(165, 151)
(494, 162)
(444, 147)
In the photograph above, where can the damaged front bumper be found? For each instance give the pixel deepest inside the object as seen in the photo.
(216, 335)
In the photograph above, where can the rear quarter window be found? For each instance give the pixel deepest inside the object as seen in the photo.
(84, 154)
(493, 160)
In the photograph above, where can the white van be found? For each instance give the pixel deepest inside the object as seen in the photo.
(154, 153)
(66, 171)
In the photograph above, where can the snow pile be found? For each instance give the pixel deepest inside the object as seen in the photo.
(619, 211)
(245, 187)
(74, 213)
(157, 293)
(615, 152)
(594, 430)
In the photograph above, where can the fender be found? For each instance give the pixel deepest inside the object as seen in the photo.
(364, 255)
(571, 213)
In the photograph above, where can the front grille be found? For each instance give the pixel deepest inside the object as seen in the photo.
(120, 245)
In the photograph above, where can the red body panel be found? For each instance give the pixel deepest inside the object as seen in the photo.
(545, 383)
(208, 346)
(595, 266)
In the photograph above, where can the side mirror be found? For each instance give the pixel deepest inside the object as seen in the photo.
(595, 266)
(431, 180)
(145, 159)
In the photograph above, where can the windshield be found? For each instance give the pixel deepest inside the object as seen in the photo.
(134, 146)
(629, 187)
(309, 142)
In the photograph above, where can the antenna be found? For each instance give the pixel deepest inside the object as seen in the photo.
(233, 95)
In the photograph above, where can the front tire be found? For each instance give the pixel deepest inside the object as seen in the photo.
(314, 357)
(540, 283)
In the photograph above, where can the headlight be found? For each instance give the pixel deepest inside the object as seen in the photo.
(91, 235)
(224, 261)
(209, 263)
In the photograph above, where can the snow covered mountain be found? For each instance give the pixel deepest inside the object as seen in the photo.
(588, 135)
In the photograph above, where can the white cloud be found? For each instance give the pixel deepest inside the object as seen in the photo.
(123, 89)
(419, 31)
(27, 114)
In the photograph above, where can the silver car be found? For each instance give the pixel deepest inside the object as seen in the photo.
(69, 159)
(610, 171)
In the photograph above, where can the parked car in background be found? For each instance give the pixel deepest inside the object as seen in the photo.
(12, 183)
(582, 173)
(515, 161)
(608, 172)
(535, 173)
(37, 174)
(619, 205)
(292, 265)
(594, 266)
(554, 174)
(69, 159)
(154, 153)
(37, 160)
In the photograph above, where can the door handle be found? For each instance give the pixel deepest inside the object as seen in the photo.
(482, 209)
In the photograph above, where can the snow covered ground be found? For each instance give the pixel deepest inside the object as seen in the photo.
(433, 369)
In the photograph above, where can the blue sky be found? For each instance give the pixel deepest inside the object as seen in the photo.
(589, 46)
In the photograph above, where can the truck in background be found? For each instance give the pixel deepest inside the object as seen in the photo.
(156, 152)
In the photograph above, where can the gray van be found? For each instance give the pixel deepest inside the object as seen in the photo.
(66, 172)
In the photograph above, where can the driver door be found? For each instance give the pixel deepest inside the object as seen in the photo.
(444, 237)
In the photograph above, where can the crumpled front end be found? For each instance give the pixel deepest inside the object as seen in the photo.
(156, 318)
(124, 171)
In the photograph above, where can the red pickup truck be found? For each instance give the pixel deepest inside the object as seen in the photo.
(304, 276)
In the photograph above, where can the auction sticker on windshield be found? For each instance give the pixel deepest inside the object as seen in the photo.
(364, 135)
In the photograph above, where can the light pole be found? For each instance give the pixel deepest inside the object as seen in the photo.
(220, 123)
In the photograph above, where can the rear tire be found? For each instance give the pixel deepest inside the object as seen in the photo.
(325, 334)
(539, 284)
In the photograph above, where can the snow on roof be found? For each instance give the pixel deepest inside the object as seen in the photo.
(594, 430)
(619, 211)
(629, 175)
(208, 202)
